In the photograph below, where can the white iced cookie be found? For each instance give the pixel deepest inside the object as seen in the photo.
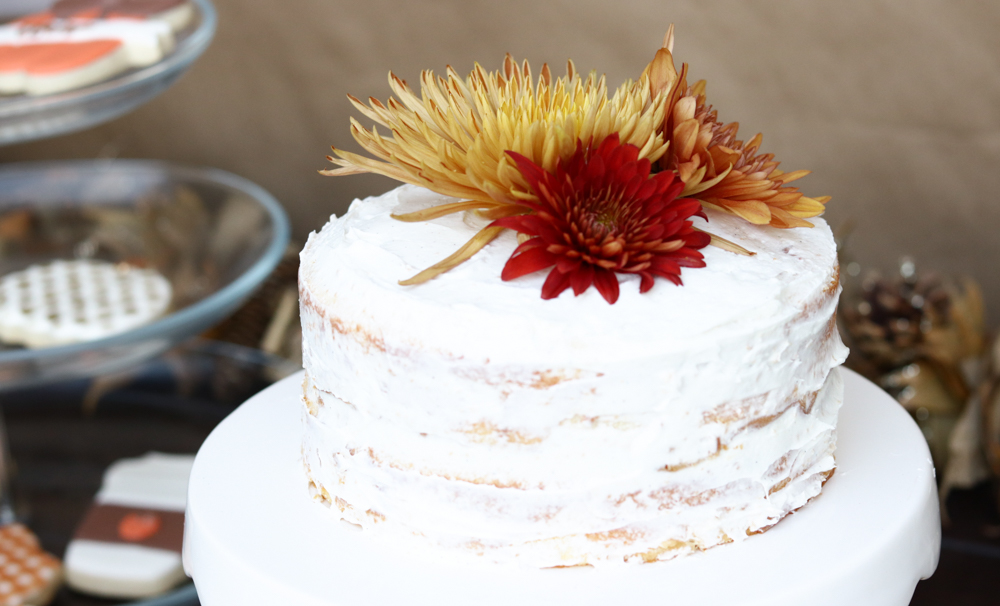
(75, 301)
(82, 42)
(129, 544)
(65, 54)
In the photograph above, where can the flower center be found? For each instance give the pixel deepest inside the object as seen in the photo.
(606, 219)
(603, 216)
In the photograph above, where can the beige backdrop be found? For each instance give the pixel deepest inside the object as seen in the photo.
(895, 106)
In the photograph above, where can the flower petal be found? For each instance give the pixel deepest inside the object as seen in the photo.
(527, 262)
(601, 213)
(474, 245)
(645, 282)
(443, 209)
(555, 284)
(582, 278)
(607, 284)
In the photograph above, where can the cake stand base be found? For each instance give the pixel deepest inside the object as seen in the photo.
(253, 537)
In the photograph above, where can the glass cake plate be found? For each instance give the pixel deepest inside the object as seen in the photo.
(24, 118)
(213, 235)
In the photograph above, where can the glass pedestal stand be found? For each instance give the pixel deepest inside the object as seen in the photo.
(214, 260)
(24, 118)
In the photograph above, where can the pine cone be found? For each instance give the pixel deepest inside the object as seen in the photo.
(919, 336)
(888, 323)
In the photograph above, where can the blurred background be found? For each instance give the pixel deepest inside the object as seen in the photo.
(895, 107)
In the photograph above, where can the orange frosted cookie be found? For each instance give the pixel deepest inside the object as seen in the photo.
(38, 69)
(81, 42)
(28, 575)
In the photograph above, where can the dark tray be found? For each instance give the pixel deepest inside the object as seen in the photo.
(61, 444)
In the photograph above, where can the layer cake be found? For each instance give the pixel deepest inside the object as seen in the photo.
(477, 419)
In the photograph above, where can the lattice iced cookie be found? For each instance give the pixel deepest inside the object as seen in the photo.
(74, 301)
(28, 575)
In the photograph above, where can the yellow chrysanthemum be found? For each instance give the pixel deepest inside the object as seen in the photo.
(453, 139)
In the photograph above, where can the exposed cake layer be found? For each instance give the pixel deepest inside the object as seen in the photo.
(769, 467)
(533, 421)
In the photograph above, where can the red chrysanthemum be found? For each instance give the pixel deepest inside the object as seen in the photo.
(599, 214)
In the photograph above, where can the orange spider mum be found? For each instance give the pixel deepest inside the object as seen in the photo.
(717, 168)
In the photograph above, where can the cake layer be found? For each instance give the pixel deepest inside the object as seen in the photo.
(495, 418)
(770, 467)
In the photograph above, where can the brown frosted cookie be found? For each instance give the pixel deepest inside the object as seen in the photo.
(128, 545)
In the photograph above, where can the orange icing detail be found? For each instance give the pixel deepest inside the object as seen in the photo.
(136, 527)
(55, 57)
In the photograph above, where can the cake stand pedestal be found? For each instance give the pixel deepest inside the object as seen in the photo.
(253, 537)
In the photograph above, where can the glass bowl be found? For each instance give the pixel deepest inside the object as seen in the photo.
(213, 235)
(24, 118)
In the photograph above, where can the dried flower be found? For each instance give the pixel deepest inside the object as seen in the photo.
(921, 336)
(453, 139)
(600, 213)
(715, 166)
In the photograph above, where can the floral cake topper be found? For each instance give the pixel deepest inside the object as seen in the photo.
(594, 186)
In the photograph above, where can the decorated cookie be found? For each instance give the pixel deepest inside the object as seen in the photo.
(66, 54)
(129, 542)
(28, 575)
(74, 301)
(81, 42)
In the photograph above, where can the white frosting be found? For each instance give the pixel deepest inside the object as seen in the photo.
(471, 412)
(156, 481)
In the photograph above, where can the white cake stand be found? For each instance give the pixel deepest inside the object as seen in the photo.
(253, 537)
